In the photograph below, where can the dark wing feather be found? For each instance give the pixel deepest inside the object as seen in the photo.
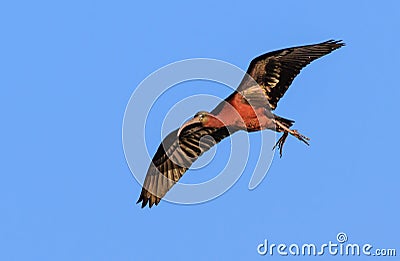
(171, 160)
(275, 71)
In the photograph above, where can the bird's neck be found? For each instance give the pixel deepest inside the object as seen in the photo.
(214, 121)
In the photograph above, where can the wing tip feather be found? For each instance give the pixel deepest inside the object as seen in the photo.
(147, 198)
(335, 43)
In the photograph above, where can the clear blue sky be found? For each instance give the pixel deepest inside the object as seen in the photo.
(68, 69)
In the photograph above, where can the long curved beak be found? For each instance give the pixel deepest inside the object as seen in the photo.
(187, 124)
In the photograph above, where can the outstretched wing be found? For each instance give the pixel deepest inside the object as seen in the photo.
(275, 71)
(174, 156)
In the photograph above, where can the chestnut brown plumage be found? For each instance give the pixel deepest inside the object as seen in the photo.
(249, 108)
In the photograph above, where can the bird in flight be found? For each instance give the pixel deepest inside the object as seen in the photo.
(249, 108)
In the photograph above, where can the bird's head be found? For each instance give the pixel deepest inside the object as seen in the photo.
(202, 118)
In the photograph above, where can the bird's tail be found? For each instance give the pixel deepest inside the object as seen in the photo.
(288, 123)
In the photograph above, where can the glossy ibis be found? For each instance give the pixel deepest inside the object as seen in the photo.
(249, 108)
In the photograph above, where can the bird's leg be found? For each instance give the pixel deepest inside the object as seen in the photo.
(280, 143)
(293, 132)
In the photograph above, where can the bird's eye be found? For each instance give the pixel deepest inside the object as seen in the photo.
(202, 117)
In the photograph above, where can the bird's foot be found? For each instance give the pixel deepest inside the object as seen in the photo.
(280, 143)
(293, 132)
(300, 136)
